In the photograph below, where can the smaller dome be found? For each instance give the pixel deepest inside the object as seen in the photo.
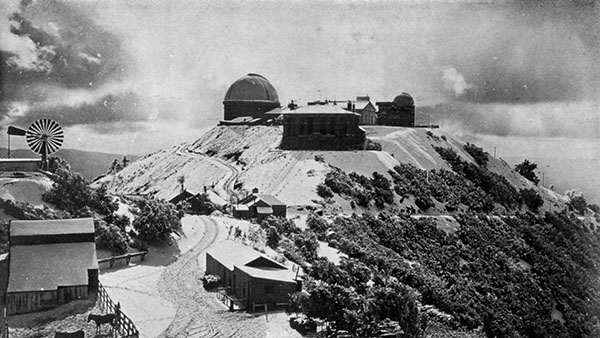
(404, 100)
(252, 88)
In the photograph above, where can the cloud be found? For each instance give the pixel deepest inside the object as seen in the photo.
(57, 63)
(545, 119)
(106, 111)
(454, 81)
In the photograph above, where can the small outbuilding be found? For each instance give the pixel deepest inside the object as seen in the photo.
(51, 262)
(250, 277)
(366, 110)
(260, 206)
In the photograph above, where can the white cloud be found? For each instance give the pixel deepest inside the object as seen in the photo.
(454, 81)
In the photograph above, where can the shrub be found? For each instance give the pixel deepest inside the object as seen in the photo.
(111, 238)
(283, 226)
(527, 170)
(211, 281)
(578, 204)
(531, 198)
(155, 220)
(477, 153)
(324, 191)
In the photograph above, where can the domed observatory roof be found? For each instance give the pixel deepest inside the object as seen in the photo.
(404, 100)
(251, 96)
(252, 88)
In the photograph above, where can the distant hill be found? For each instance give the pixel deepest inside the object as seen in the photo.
(88, 163)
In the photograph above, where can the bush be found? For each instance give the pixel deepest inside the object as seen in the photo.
(532, 199)
(527, 170)
(155, 220)
(211, 281)
(324, 191)
(111, 238)
(477, 153)
(578, 204)
(72, 193)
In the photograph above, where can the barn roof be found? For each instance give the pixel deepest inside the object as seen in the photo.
(48, 266)
(52, 227)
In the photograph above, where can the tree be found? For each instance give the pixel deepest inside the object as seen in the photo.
(155, 220)
(578, 204)
(527, 170)
(531, 198)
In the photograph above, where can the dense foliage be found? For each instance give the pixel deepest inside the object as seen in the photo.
(72, 193)
(477, 153)
(445, 186)
(110, 237)
(527, 170)
(499, 189)
(362, 190)
(155, 219)
(531, 198)
(506, 276)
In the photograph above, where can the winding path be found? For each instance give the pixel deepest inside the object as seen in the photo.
(199, 314)
(227, 185)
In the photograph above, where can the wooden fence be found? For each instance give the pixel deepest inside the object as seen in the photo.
(127, 257)
(125, 328)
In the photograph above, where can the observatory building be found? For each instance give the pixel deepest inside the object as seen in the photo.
(322, 127)
(250, 96)
(400, 112)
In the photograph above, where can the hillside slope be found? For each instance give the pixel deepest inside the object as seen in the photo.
(244, 158)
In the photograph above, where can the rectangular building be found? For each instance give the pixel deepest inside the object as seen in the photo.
(322, 127)
(249, 276)
(51, 262)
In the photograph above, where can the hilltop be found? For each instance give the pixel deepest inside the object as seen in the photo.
(234, 160)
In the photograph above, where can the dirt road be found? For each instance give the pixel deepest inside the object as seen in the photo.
(225, 188)
(199, 314)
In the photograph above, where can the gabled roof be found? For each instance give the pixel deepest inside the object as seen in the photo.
(230, 254)
(182, 196)
(52, 227)
(270, 199)
(47, 266)
(363, 105)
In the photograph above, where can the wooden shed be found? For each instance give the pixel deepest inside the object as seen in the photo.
(250, 276)
(51, 262)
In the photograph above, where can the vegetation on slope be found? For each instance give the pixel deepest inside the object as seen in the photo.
(504, 272)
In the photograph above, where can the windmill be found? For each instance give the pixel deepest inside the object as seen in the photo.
(44, 137)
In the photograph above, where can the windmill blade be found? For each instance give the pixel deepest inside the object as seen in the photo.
(16, 131)
(44, 136)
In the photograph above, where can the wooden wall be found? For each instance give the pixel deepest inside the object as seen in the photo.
(24, 302)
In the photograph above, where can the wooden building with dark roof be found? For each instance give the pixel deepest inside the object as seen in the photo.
(251, 277)
(51, 262)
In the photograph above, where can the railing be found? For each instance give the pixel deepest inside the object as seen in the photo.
(127, 257)
(125, 327)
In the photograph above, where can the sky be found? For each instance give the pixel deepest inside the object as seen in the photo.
(137, 76)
